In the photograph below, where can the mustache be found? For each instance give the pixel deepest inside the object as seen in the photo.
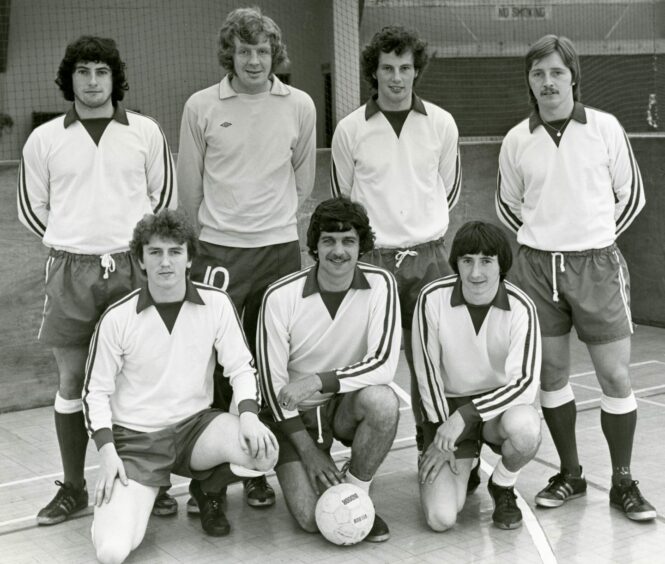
(549, 90)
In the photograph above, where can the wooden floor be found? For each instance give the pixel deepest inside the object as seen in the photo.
(584, 530)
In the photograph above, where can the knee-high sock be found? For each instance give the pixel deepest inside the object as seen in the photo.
(618, 418)
(72, 439)
(560, 414)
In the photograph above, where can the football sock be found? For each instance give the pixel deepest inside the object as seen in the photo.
(362, 484)
(503, 477)
(618, 418)
(560, 415)
(72, 439)
(220, 477)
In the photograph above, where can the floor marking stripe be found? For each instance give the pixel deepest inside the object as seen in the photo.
(631, 365)
(43, 477)
(536, 531)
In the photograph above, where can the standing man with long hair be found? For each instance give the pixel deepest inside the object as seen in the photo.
(569, 185)
(86, 178)
(246, 162)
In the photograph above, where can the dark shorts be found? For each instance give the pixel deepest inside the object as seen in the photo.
(78, 290)
(588, 290)
(413, 271)
(151, 458)
(469, 442)
(323, 437)
(245, 274)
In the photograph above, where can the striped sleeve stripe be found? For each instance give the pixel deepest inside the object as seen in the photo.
(435, 386)
(453, 197)
(24, 204)
(166, 193)
(636, 192)
(384, 349)
(92, 353)
(265, 376)
(205, 288)
(334, 182)
(503, 210)
(167, 187)
(507, 394)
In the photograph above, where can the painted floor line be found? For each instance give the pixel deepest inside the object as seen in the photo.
(638, 398)
(538, 536)
(631, 365)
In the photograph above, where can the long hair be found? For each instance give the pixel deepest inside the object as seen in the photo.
(91, 49)
(248, 24)
(547, 45)
(393, 38)
(337, 215)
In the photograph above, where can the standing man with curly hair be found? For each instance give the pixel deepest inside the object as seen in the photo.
(246, 162)
(398, 155)
(85, 179)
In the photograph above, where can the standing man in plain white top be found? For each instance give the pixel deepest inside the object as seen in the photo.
(246, 162)
(398, 155)
(569, 185)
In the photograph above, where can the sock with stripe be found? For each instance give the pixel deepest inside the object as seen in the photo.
(618, 419)
(560, 414)
(72, 439)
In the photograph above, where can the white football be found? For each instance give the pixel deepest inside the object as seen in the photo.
(344, 514)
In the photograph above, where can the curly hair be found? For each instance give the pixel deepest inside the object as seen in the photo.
(335, 216)
(248, 24)
(91, 49)
(393, 38)
(480, 238)
(167, 224)
(547, 45)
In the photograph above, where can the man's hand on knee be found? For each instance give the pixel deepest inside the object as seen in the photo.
(111, 466)
(255, 438)
(321, 470)
(448, 433)
(433, 461)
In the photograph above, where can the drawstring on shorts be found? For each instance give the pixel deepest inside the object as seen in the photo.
(401, 255)
(562, 268)
(108, 264)
(318, 423)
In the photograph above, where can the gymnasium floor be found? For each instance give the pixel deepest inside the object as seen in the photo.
(584, 530)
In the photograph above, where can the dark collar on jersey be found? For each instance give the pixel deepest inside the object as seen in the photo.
(311, 286)
(579, 114)
(119, 115)
(372, 107)
(145, 299)
(500, 300)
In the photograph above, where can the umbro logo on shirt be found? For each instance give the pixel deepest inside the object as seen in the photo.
(226, 124)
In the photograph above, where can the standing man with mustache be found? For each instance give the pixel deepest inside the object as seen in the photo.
(86, 178)
(568, 186)
(246, 162)
(398, 155)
